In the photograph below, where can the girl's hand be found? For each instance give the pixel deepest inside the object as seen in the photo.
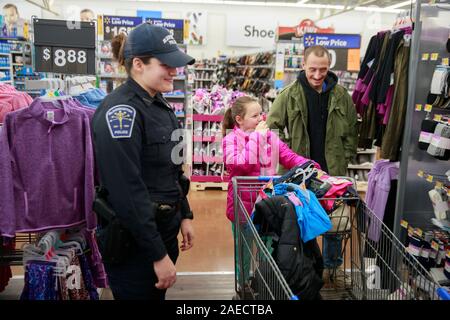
(262, 128)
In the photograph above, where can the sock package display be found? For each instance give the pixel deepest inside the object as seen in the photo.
(440, 142)
(427, 130)
(431, 249)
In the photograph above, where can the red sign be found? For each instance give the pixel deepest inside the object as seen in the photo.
(305, 26)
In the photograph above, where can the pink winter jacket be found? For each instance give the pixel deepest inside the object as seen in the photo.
(252, 154)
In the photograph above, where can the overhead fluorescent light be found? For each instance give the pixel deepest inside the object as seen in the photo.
(401, 4)
(302, 1)
(300, 4)
(376, 9)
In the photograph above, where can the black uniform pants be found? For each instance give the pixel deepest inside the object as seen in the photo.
(135, 279)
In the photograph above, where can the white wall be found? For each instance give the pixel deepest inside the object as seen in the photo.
(364, 23)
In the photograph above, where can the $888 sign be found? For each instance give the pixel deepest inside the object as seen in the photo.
(62, 56)
(64, 60)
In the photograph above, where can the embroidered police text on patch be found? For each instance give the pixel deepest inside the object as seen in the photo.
(120, 121)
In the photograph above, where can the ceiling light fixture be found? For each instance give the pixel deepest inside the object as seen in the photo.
(401, 4)
(299, 4)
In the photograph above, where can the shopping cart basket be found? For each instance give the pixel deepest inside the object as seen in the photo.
(380, 266)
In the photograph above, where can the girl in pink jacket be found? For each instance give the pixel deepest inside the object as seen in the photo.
(250, 149)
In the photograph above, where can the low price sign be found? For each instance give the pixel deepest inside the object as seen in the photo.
(175, 27)
(343, 48)
(114, 25)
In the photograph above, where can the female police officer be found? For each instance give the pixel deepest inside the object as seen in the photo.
(132, 140)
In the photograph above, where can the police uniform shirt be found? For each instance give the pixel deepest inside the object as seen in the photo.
(133, 147)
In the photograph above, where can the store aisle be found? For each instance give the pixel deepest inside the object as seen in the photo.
(213, 248)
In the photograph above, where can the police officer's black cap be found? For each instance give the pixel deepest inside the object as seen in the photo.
(156, 41)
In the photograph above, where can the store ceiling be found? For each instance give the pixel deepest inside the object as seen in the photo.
(398, 4)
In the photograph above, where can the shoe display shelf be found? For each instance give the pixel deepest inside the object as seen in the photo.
(252, 74)
(204, 74)
(207, 159)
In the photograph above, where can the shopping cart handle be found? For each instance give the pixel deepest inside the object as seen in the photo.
(443, 294)
(267, 178)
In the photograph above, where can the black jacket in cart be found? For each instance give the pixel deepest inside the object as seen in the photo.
(133, 147)
(300, 263)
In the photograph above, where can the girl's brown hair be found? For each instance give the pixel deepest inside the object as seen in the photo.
(238, 108)
(117, 45)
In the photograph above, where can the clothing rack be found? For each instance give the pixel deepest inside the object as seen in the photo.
(73, 85)
(427, 51)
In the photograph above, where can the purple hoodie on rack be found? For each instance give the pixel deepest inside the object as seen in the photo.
(46, 172)
(379, 185)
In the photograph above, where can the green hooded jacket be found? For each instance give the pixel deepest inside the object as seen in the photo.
(290, 111)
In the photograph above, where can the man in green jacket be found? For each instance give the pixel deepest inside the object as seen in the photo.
(316, 117)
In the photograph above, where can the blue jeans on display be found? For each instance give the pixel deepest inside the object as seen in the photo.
(332, 251)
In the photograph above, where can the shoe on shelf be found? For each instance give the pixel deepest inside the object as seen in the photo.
(198, 107)
(219, 169)
(213, 151)
(213, 129)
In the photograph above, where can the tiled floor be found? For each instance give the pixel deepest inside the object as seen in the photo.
(213, 246)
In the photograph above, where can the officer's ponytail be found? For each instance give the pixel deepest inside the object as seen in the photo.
(117, 44)
(239, 108)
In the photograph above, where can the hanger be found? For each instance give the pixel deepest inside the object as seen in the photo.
(33, 253)
(72, 245)
(80, 239)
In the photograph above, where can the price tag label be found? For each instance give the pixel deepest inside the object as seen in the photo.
(404, 224)
(420, 173)
(437, 117)
(418, 107)
(445, 61)
(425, 56)
(435, 245)
(430, 178)
(434, 56)
(428, 107)
(410, 230)
(418, 232)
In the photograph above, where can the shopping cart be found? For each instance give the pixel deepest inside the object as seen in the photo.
(380, 266)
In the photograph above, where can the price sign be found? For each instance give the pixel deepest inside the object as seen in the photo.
(115, 25)
(404, 224)
(428, 107)
(61, 49)
(175, 27)
(434, 56)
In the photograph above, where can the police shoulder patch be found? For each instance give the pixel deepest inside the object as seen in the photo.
(120, 121)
